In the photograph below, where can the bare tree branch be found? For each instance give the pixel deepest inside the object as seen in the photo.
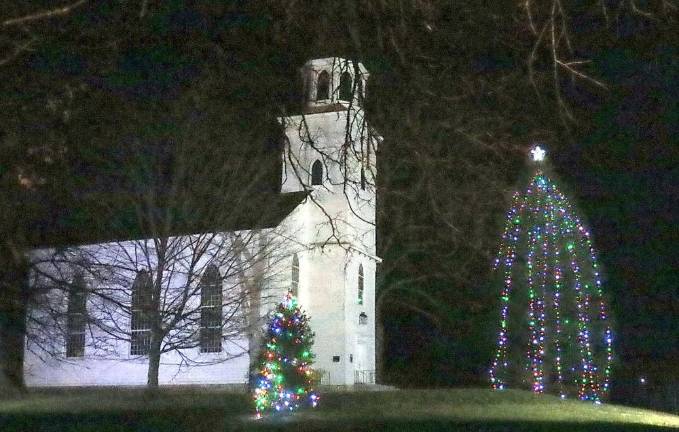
(60, 11)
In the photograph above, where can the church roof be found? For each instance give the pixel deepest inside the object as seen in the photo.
(264, 210)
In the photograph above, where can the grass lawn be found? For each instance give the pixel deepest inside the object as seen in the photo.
(407, 410)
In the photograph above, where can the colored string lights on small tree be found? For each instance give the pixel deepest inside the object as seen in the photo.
(547, 259)
(285, 379)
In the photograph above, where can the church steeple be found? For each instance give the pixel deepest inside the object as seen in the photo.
(331, 84)
(330, 152)
(329, 146)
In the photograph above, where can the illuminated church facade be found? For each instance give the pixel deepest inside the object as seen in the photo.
(326, 255)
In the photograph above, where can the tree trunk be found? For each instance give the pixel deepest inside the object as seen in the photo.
(154, 362)
(13, 305)
(156, 320)
(254, 325)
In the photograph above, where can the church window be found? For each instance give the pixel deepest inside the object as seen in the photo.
(361, 283)
(294, 284)
(211, 310)
(142, 304)
(317, 173)
(345, 86)
(76, 317)
(363, 178)
(363, 319)
(323, 86)
(359, 87)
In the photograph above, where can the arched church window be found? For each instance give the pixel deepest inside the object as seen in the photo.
(294, 283)
(345, 86)
(317, 173)
(142, 303)
(76, 317)
(323, 86)
(211, 310)
(359, 89)
(361, 283)
(363, 178)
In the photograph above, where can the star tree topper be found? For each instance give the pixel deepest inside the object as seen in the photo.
(538, 154)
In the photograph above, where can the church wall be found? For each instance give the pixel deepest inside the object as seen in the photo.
(361, 337)
(347, 206)
(107, 360)
(321, 291)
(326, 293)
(334, 309)
(89, 371)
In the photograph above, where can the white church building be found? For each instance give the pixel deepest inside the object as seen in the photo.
(322, 248)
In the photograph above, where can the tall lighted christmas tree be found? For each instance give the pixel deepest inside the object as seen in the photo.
(285, 380)
(554, 330)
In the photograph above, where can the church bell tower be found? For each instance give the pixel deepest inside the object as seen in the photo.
(330, 152)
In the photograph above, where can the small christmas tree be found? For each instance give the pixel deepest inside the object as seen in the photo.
(285, 379)
(562, 341)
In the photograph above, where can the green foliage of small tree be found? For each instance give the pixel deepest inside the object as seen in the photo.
(285, 380)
